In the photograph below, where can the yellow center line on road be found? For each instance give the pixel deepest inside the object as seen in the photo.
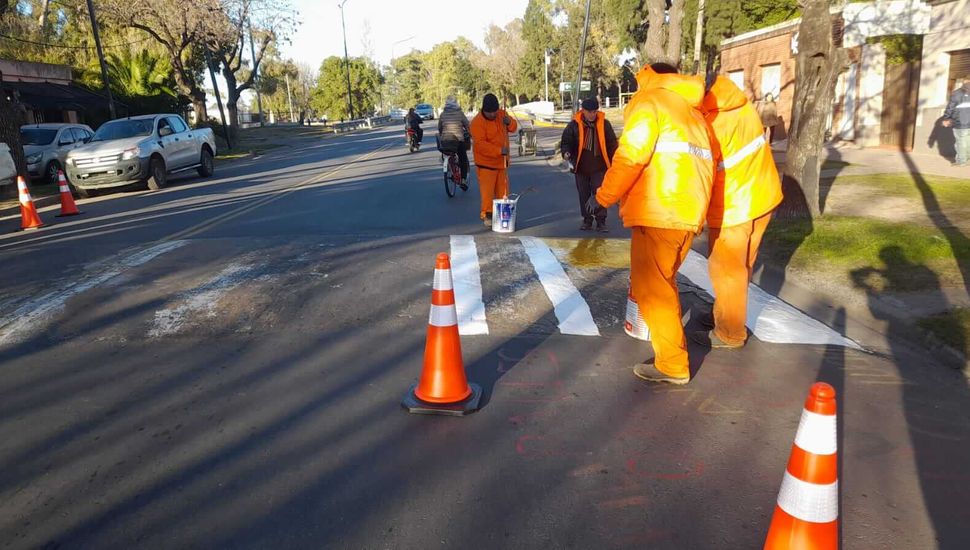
(235, 213)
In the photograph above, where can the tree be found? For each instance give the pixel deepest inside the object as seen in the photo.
(818, 64)
(11, 119)
(142, 79)
(539, 35)
(181, 28)
(407, 74)
(267, 21)
(504, 48)
(330, 93)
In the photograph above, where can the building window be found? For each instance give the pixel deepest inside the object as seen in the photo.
(959, 68)
(737, 77)
(771, 80)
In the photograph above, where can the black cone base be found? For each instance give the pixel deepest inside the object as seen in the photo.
(461, 408)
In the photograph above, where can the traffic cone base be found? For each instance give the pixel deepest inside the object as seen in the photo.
(416, 405)
(443, 387)
(68, 208)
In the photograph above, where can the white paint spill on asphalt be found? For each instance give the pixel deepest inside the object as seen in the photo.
(200, 300)
(568, 304)
(32, 316)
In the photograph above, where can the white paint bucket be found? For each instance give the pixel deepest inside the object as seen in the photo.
(503, 214)
(634, 325)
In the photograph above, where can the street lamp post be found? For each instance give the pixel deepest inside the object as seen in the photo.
(350, 99)
(582, 54)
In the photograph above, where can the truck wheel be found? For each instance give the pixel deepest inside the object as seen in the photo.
(206, 166)
(156, 174)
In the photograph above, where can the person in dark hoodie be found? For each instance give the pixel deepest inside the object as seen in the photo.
(661, 174)
(588, 144)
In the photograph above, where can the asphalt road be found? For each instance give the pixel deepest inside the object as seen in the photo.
(221, 364)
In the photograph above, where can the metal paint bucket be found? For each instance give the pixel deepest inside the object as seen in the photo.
(503, 214)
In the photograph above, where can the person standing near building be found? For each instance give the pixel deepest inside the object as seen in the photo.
(957, 116)
(746, 191)
(661, 174)
(588, 144)
(490, 131)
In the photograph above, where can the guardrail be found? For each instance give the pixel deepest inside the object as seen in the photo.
(355, 124)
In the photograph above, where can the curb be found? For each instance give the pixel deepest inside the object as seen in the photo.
(39, 202)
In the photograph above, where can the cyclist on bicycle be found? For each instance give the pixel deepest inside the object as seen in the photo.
(453, 135)
(413, 122)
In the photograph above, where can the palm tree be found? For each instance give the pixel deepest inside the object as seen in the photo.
(141, 74)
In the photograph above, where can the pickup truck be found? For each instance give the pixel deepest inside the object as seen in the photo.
(140, 150)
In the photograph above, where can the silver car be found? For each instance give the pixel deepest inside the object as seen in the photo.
(46, 147)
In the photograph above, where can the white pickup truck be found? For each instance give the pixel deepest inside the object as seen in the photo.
(140, 150)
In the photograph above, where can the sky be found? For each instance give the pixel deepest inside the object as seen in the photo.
(417, 24)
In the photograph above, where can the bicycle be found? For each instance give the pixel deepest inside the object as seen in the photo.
(451, 171)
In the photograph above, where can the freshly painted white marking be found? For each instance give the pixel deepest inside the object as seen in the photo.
(570, 307)
(467, 280)
(809, 501)
(817, 433)
(770, 318)
(30, 317)
(200, 299)
(443, 316)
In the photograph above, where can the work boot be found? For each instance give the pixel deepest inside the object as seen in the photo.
(649, 372)
(711, 340)
(587, 226)
(488, 220)
(601, 227)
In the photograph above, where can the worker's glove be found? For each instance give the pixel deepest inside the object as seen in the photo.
(506, 120)
(592, 205)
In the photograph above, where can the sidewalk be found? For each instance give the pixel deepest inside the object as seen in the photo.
(878, 161)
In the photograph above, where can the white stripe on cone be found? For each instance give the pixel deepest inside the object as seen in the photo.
(817, 433)
(443, 316)
(442, 279)
(64, 189)
(810, 502)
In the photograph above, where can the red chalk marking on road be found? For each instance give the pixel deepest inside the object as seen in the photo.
(620, 503)
(696, 470)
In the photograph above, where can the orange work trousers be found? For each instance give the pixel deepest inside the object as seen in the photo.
(732, 252)
(655, 257)
(492, 184)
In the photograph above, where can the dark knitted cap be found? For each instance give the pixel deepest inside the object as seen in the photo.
(590, 104)
(490, 103)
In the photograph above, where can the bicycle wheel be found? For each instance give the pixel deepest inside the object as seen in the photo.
(450, 184)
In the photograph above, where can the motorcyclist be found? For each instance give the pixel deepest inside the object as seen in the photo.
(453, 134)
(413, 122)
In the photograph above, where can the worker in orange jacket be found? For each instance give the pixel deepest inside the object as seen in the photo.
(746, 190)
(662, 173)
(490, 131)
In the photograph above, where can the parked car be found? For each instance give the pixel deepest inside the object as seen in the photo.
(398, 113)
(46, 147)
(425, 110)
(140, 150)
(8, 170)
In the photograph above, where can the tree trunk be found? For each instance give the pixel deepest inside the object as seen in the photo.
(674, 31)
(654, 49)
(818, 65)
(12, 117)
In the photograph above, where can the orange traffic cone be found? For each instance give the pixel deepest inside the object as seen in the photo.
(443, 388)
(807, 513)
(29, 219)
(68, 208)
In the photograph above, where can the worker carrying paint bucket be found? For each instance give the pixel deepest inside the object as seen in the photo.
(490, 131)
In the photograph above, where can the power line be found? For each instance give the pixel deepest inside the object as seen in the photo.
(47, 45)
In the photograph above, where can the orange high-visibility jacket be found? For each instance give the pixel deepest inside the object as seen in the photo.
(600, 136)
(663, 170)
(746, 185)
(488, 139)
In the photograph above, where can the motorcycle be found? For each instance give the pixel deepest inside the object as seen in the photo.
(412, 137)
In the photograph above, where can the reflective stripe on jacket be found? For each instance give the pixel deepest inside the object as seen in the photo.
(488, 139)
(746, 185)
(663, 170)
